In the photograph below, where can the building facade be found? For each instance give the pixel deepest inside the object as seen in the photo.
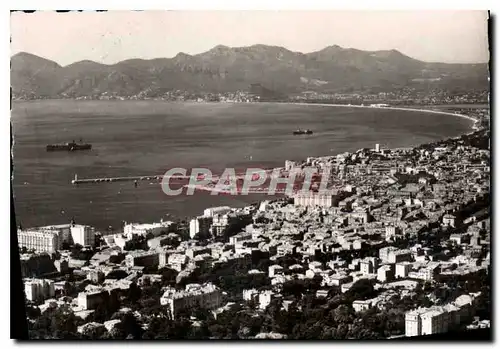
(38, 290)
(155, 229)
(207, 296)
(220, 210)
(40, 241)
(91, 300)
(142, 259)
(200, 225)
(311, 199)
(83, 235)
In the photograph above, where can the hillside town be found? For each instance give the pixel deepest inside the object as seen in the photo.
(408, 96)
(399, 246)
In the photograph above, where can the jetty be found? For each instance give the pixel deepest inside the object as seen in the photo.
(239, 176)
(123, 179)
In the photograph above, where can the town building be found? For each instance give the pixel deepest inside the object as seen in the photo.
(83, 235)
(91, 299)
(384, 252)
(385, 273)
(368, 265)
(142, 258)
(207, 296)
(220, 210)
(439, 319)
(396, 256)
(312, 199)
(154, 229)
(38, 290)
(40, 241)
(403, 269)
(200, 225)
(392, 232)
(177, 261)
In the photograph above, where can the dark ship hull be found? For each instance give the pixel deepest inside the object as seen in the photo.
(68, 147)
(300, 132)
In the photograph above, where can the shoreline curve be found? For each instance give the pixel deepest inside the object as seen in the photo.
(474, 120)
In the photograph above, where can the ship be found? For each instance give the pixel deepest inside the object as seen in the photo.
(302, 132)
(72, 146)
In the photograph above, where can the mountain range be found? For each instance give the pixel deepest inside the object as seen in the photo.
(226, 69)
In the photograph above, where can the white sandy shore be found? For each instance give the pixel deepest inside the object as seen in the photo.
(389, 108)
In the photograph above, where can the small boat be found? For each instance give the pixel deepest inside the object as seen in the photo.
(69, 146)
(302, 132)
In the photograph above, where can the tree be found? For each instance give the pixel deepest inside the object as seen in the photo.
(133, 293)
(168, 276)
(130, 326)
(342, 314)
(362, 289)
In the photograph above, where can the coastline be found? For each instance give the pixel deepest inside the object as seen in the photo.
(387, 108)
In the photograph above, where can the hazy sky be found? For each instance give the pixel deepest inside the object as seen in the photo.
(109, 37)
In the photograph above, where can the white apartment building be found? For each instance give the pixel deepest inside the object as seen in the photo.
(40, 241)
(434, 321)
(391, 232)
(426, 321)
(384, 252)
(397, 256)
(335, 280)
(200, 225)
(220, 222)
(83, 235)
(403, 269)
(207, 296)
(368, 265)
(163, 255)
(428, 273)
(177, 261)
(312, 199)
(63, 230)
(91, 299)
(220, 210)
(38, 290)
(438, 319)
(413, 324)
(385, 273)
(147, 228)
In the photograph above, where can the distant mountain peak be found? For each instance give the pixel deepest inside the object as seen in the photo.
(29, 59)
(221, 48)
(25, 54)
(182, 55)
(86, 62)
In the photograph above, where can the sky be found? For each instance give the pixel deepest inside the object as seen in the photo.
(109, 37)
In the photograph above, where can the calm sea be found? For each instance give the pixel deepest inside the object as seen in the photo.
(149, 137)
